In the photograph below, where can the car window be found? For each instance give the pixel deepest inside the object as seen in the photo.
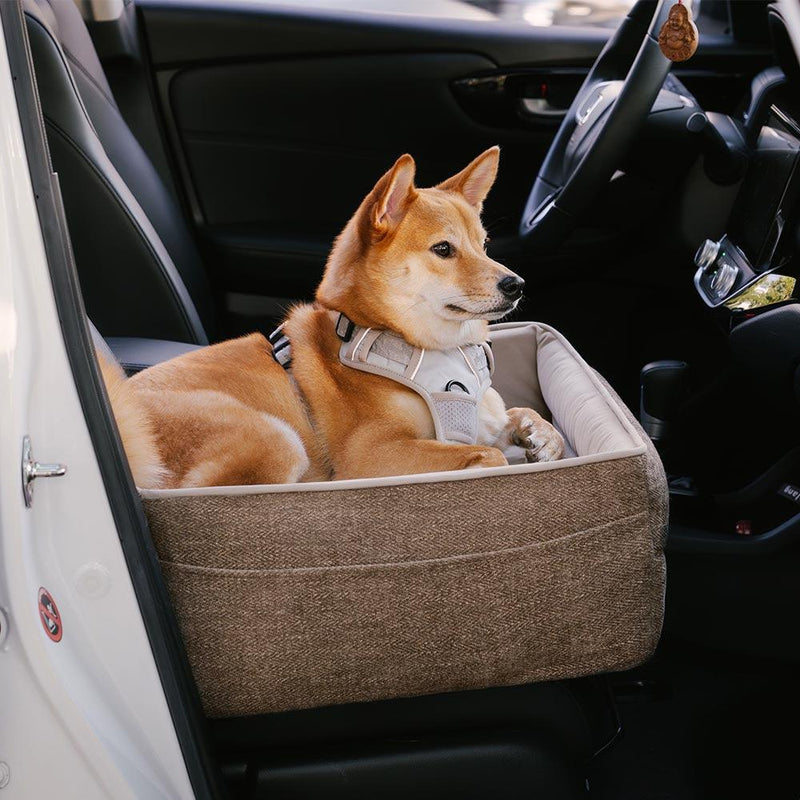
(711, 16)
(547, 13)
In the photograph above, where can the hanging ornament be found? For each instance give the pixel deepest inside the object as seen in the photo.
(678, 35)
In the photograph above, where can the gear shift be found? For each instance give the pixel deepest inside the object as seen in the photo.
(664, 388)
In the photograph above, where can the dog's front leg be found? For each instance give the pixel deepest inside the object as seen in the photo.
(373, 458)
(523, 427)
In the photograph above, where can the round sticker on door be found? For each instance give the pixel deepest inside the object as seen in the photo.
(48, 614)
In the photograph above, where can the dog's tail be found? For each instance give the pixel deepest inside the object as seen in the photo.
(135, 427)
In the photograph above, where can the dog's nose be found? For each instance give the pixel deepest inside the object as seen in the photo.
(511, 286)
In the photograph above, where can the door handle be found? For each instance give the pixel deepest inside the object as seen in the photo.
(540, 108)
(520, 98)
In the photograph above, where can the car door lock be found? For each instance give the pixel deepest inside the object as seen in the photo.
(31, 470)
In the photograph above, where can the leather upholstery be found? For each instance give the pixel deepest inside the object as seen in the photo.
(136, 354)
(140, 271)
(100, 344)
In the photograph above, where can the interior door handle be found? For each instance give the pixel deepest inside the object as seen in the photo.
(522, 98)
(539, 107)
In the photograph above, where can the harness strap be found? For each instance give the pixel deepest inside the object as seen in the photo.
(451, 382)
(281, 347)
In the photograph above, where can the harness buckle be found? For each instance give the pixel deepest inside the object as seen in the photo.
(281, 347)
(276, 335)
(345, 333)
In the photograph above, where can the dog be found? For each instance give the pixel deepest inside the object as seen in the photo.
(347, 387)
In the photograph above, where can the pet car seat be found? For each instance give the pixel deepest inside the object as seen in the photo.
(305, 595)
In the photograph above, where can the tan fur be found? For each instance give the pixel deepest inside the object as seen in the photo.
(135, 427)
(229, 414)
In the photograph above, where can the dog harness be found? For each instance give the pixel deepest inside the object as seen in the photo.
(451, 382)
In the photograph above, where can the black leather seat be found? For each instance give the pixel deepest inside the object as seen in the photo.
(141, 273)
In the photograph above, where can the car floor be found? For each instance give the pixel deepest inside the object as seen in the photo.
(702, 726)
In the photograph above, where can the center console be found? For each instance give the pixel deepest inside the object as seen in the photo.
(735, 460)
(732, 450)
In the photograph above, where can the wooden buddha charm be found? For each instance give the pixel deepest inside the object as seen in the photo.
(678, 35)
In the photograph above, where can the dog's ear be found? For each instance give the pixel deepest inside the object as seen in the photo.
(392, 196)
(476, 179)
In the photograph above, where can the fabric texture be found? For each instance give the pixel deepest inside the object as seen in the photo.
(299, 598)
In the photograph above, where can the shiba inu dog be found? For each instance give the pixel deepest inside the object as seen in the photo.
(386, 373)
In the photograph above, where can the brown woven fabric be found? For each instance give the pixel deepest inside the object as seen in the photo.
(303, 599)
(408, 522)
(308, 598)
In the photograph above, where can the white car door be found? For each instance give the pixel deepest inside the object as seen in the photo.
(84, 713)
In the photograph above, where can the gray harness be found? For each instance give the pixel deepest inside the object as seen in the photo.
(451, 382)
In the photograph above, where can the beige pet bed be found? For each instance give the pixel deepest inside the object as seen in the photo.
(305, 595)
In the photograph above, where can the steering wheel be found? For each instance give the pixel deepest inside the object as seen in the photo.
(599, 126)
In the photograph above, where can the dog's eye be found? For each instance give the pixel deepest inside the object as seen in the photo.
(486, 243)
(443, 249)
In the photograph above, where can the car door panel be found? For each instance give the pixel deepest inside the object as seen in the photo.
(282, 123)
(303, 140)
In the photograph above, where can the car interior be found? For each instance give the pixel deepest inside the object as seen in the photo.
(207, 154)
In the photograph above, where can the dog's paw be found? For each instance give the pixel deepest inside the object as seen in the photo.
(540, 440)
